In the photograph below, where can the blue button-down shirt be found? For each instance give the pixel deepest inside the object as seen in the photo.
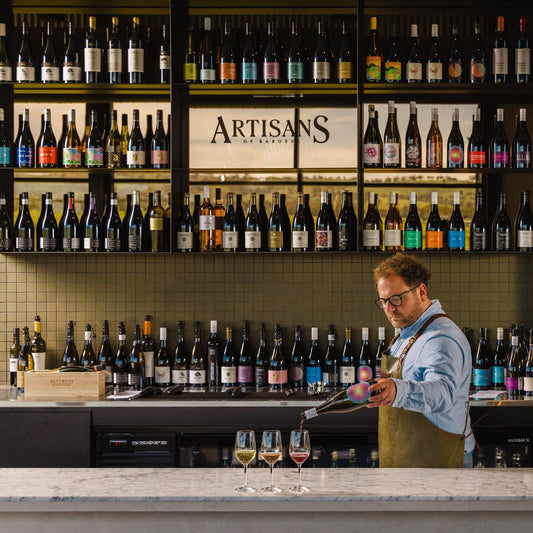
(436, 373)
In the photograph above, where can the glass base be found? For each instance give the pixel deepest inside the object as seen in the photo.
(299, 488)
(271, 489)
(245, 488)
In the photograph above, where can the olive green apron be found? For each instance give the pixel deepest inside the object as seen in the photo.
(408, 438)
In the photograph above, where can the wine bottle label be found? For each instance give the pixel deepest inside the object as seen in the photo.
(207, 74)
(511, 384)
(71, 157)
(344, 70)
(455, 156)
(25, 156)
(296, 374)
(185, 239)
(311, 413)
(162, 374)
(134, 379)
(502, 241)
(455, 70)
(71, 244)
(5, 156)
(135, 157)
(49, 74)
(477, 71)
(249, 71)
(113, 157)
(47, 155)
(456, 239)
(47, 244)
(412, 240)
(528, 384)
(477, 158)
(71, 73)
(500, 158)
(260, 377)
(325, 378)
(321, 70)
(39, 360)
(434, 71)
(190, 72)
(135, 60)
(393, 237)
(252, 240)
(24, 244)
(13, 363)
(373, 68)
(324, 240)
(228, 71)
(371, 154)
(523, 158)
(5, 73)
(275, 239)
(197, 377)
(92, 59)
(112, 244)
(25, 73)
(524, 239)
(91, 244)
(159, 157)
(434, 239)
(295, 71)
(414, 71)
(157, 224)
(498, 375)
(313, 374)
(277, 377)
(500, 61)
(230, 240)
(371, 238)
(20, 379)
(228, 375)
(522, 61)
(271, 70)
(393, 71)
(164, 62)
(114, 60)
(479, 240)
(347, 375)
(333, 378)
(179, 377)
(5, 243)
(245, 374)
(134, 243)
(345, 238)
(94, 157)
(481, 377)
(207, 222)
(149, 364)
(300, 239)
(391, 153)
(120, 378)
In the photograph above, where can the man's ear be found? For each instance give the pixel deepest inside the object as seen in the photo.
(423, 290)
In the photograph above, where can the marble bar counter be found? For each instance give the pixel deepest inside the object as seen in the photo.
(192, 500)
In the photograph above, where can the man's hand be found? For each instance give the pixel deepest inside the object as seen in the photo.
(386, 394)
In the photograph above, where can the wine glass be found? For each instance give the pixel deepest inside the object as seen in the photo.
(271, 454)
(299, 449)
(245, 450)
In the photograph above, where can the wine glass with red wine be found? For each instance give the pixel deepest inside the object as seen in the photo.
(299, 450)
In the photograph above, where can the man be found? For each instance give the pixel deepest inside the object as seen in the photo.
(423, 396)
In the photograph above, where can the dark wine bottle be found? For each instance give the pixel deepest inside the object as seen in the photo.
(393, 225)
(6, 74)
(190, 60)
(135, 226)
(482, 363)
(393, 61)
(88, 357)
(324, 225)
(512, 373)
(162, 361)
(6, 226)
(71, 61)
(261, 360)
(156, 217)
(434, 142)
(277, 364)
(263, 223)
(245, 368)
(69, 231)
(331, 372)
(241, 221)
(322, 57)
(348, 363)
(14, 352)
(310, 221)
(136, 362)
(180, 367)
(379, 352)
(413, 226)
(106, 357)
(136, 72)
(522, 142)
(25, 360)
(313, 368)
(275, 233)
(374, 55)
(414, 58)
(149, 349)
(164, 57)
(228, 365)
(24, 229)
(372, 225)
(112, 227)
(524, 225)
(501, 228)
(285, 223)
(479, 241)
(392, 145)
(413, 142)
(249, 71)
(456, 230)
(25, 65)
(300, 230)
(230, 233)
(70, 353)
(522, 62)
(47, 229)
(455, 56)
(347, 225)
(24, 143)
(434, 226)
(478, 67)
(228, 61)
(185, 227)
(499, 145)
(92, 230)
(92, 54)
(114, 53)
(197, 365)
(252, 234)
(365, 364)
(49, 60)
(297, 361)
(344, 58)
(5, 142)
(500, 53)
(271, 59)
(46, 144)
(498, 363)
(434, 61)
(477, 148)
(94, 154)
(372, 143)
(121, 362)
(196, 222)
(456, 145)
(160, 148)
(207, 54)
(136, 153)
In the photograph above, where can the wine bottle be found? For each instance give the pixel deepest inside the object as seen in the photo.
(434, 226)
(347, 225)
(263, 223)
(38, 346)
(372, 143)
(148, 349)
(500, 53)
(331, 372)
(49, 60)
(228, 365)
(219, 212)
(136, 362)
(324, 226)
(479, 241)
(114, 53)
(393, 225)
(393, 62)
(136, 72)
(392, 145)
(197, 365)
(88, 357)
(230, 233)
(501, 228)
(25, 359)
(365, 364)
(372, 225)
(24, 229)
(249, 73)
(106, 357)
(478, 68)
(261, 360)
(46, 144)
(313, 369)
(482, 363)
(136, 152)
(134, 224)
(92, 229)
(322, 57)
(498, 363)
(6, 226)
(522, 142)
(434, 142)
(522, 63)
(6, 74)
(70, 147)
(24, 143)
(25, 65)
(310, 221)
(241, 221)
(414, 58)
(413, 142)
(159, 145)
(285, 222)
(275, 233)
(228, 61)
(71, 62)
(456, 230)
(162, 361)
(477, 148)
(300, 230)
(156, 216)
(47, 229)
(121, 362)
(524, 225)
(252, 234)
(5, 142)
(69, 231)
(196, 222)
(124, 134)
(113, 144)
(512, 373)
(347, 363)
(245, 368)
(528, 375)
(112, 227)
(70, 353)
(94, 154)
(277, 364)
(190, 60)
(499, 145)
(207, 223)
(92, 54)
(14, 352)
(271, 59)
(146, 243)
(379, 352)
(185, 227)
(180, 368)
(297, 361)
(413, 226)
(434, 62)
(373, 54)
(456, 145)
(207, 54)
(345, 57)
(455, 56)
(164, 57)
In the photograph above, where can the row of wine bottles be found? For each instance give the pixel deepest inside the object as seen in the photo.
(480, 151)
(112, 149)
(110, 60)
(433, 66)
(216, 363)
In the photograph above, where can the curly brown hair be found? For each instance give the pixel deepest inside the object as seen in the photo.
(409, 268)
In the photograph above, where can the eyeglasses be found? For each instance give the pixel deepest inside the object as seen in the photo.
(396, 299)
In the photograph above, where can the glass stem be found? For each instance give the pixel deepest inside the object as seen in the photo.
(271, 476)
(245, 475)
(299, 475)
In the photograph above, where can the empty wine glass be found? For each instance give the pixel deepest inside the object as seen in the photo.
(299, 450)
(245, 450)
(271, 454)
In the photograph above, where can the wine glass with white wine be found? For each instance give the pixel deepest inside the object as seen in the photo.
(299, 450)
(271, 453)
(245, 450)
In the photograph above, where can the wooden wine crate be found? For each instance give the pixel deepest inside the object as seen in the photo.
(53, 385)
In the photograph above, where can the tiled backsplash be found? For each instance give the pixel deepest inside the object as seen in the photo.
(313, 289)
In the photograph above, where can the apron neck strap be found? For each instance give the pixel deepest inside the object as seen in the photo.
(415, 337)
